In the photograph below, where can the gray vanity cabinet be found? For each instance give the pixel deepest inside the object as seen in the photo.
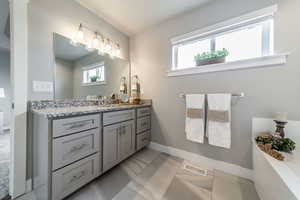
(118, 139)
(71, 151)
(110, 146)
(127, 139)
(143, 127)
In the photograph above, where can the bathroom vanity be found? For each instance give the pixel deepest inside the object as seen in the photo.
(72, 146)
(75, 141)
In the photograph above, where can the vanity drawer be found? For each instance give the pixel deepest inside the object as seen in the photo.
(141, 112)
(69, 179)
(143, 124)
(75, 124)
(74, 147)
(143, 140)
(118, 116)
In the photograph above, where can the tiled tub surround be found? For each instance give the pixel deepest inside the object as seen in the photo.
(76, 143)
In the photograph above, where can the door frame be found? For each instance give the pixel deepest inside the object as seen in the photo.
(19, 66)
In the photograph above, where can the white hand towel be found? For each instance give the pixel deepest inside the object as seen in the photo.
(219, 133)
(194, 127)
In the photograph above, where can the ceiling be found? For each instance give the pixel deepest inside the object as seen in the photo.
(134, 16)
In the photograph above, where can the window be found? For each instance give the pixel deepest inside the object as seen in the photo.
(94, 75)
(248, 38)
(246, 42)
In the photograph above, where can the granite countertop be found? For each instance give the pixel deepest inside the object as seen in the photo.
(51, 113)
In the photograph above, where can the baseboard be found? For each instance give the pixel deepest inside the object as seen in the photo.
(211, 163)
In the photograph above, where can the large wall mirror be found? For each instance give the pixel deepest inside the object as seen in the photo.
(80, 73)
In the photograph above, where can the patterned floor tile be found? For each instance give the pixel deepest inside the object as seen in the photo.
(230, 187)
(150, 175)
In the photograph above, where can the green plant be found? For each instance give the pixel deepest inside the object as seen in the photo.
(264, 140)
(94, 78)
(284, 144)
(279, 144)
(213, 54)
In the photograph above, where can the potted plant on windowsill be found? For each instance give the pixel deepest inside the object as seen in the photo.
(94, 78)
(212, 57)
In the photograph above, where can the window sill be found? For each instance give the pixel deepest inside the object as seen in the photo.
(266, 61)
(93, 84)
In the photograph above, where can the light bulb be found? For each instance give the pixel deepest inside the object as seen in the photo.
(78, 36)
(94, 43)
(112, 54)
(112, 50)
(107, 46)
(118, 51)
(101, 49)
(101, 52)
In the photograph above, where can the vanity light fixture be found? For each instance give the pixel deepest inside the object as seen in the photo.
(78, 36)
(100, 43)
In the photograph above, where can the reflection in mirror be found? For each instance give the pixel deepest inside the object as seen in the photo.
(80, 73)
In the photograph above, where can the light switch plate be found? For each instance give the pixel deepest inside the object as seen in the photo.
(42, 86)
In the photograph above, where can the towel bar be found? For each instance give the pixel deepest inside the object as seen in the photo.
(240, 95)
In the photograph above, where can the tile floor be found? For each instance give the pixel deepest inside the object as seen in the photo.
(150, 175)
(4, 163)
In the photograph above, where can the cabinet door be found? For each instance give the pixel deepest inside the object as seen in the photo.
(127, 139)
(110, 146)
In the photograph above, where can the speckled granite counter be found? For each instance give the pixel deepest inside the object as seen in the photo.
(58, 112)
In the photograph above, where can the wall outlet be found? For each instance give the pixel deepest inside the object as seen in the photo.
(42, 86)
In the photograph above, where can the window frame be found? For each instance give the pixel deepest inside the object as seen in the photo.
(241, 22)
(91, 67)
(267, 37)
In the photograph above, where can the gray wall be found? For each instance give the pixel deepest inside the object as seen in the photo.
(114, 70)
(62, 17)
(63, 79)
(267, 89)
(5, 83)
